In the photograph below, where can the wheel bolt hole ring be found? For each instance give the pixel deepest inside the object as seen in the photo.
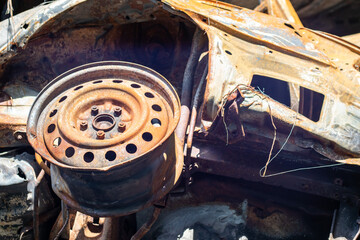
(69, 152)
(110, 155)
(131, 148)
(51, 128)
(156, 108)
(77, 88)
(103, 122)
(149, 95)
(147, 136)
(62, 99)
(134, 85)
(53, 113)
(88, 157)
(57, 142)
(156, 122)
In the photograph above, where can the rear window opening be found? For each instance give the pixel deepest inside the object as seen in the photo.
(310, 104)
(274, 88)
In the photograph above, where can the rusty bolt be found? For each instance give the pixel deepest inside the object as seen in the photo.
(18, 136)
(94, 110)
(100, 134)
(117, 111)
(83, 125)
(121, 127)
(338, 181)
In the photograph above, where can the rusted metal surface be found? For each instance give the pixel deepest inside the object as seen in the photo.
(87, 227)
(14, 108)
(297, 68)
(198, 43)
(354, 38)
(93, 174)
(18, 31)
(107, 155)
(50, 49)
(89, 114)
(193, 117)
(82, 226)
(321, 63)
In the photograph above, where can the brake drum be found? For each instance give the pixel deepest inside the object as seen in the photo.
(107, 129)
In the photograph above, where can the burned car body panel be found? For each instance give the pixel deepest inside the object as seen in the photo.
(244, 43)
(282, 50)
(268, 88)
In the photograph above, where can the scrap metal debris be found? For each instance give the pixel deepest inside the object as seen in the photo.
(89, 94)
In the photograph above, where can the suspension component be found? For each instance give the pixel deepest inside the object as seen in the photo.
(107, 129)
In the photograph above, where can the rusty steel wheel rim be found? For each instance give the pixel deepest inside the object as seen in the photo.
(107, 129)
(105, 122)
(101, 121)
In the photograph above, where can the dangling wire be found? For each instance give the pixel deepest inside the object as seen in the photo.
(303, 169)
(263, 169)
(262, 172)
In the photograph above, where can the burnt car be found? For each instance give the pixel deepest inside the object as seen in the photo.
(179, 119)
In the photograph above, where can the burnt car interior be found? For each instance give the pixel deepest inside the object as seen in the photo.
(174, 119)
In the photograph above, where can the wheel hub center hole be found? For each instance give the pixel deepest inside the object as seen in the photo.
(103, 122)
